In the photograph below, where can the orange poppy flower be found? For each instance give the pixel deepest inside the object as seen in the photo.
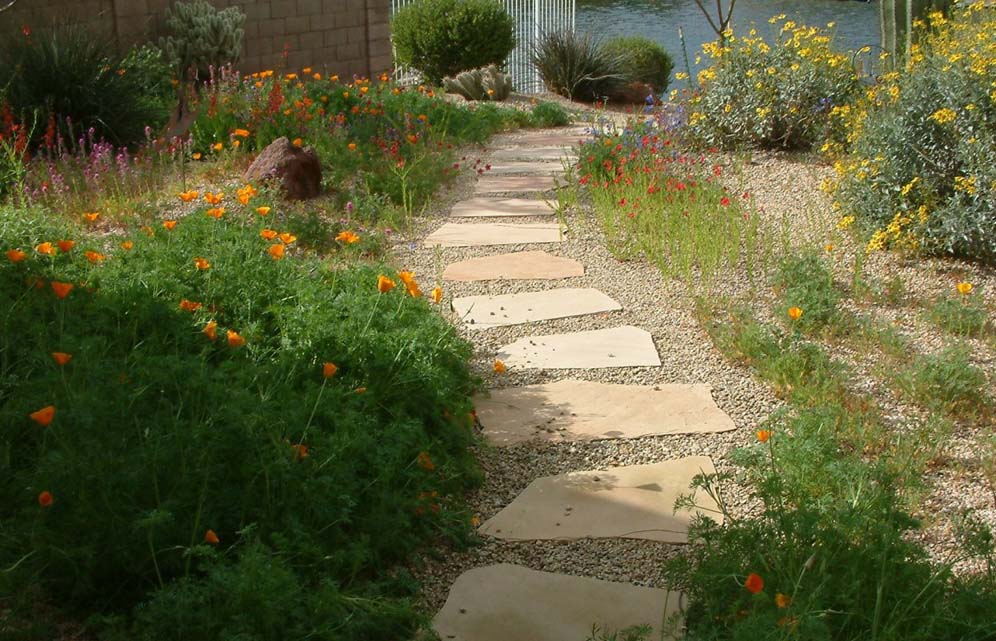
(437, 295)
(169, 224)
(329, 370)
(61, 358)
(127, 245)
(45, 248)
(276, 251)
(268, 234)
(66, 245)
(964, 288)
(347, 237)
(234, 339)
(287, 238)
(196, 155)
(317, 76)
(754, 583)
(783, 600)
(763, 435)
(384, 284)
(45, 499)
(300, 451)
(263, 211)
(412, 138)
(217, 146)
(15, 255)
(241, 133)
(187, 196)
(201, 263)
(211, 537)
(210, 330)
(425, 462)
(407, 277)
(351, 146)
(236, 143)
(189, 305)
(94, 257)
(500, 367)
(475, 521)
(297, 142)
(360, 390)
(334, 78)
(91, 216)
(43, 416)
(216, 212)
(214, 199)
(61, 289)
(795, 313)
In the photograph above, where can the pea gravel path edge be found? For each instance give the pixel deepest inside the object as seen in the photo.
(649, 301)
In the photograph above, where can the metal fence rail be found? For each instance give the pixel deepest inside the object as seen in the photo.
(532, 18)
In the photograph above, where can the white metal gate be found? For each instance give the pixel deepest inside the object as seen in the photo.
(532, 18)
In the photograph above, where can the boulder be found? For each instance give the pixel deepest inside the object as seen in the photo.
(298, 169)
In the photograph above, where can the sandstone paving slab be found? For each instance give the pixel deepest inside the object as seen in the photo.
(625, 346)
(479, 234)
(523, 184)
(526, 167)
(508, 602)
(501, 207)
(483, 312)
(526, 152)
(574, 410)
(530, 265)
(633, 502)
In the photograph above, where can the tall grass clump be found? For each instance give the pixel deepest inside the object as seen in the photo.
(211, 434)
(921, 173)
(577, 66)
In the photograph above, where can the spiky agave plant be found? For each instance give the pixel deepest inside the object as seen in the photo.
(575, 65)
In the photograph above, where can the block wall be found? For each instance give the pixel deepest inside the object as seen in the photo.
(348, 37)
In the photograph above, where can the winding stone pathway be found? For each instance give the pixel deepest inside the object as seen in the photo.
(503, 602)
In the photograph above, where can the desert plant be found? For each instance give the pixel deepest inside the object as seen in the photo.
(644, 60)
(576, 66)
(71, 81)
(549, 114)
(444, 37)
(201, 37)
(486, 83)
(946, 381)
(897, 19)
(805, 282)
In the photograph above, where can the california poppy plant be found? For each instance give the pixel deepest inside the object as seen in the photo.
(384, 284)
(795, 313)
(347, 237)
(500, 367)
(437, 294)
(268, 234)
(45, 248)
(964, 288)
(95, 257)
(300, 451)
(211, 538)
(210, 330)
(425, 461)
(234, 339)
(216, 212)
(754, 583)
(45, 499)
(91, 216)
(783, 600)
(169, 224)
(127, 245)
(263, 211)
(61, 358)
(43, 416)
(329, 370)
(189, 195)
(763, 435)
(66, 245)
(201, 263)
(189, 305)
(276, 251)
(214, 199)
(286, 238)
(61, 289)
(16, 255)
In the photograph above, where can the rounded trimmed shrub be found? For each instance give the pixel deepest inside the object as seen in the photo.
(444, 37)
(645, 61)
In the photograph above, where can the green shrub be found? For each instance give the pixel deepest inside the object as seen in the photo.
(575, 65)
(946, 381)
(959, 316)
(443, 37)
(549, 114)
(922, 170)
(644, 60)
(161, 433)
(806, 282)
(779, 95)
(74, 82)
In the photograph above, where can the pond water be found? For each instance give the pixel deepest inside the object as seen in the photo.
(856, 22)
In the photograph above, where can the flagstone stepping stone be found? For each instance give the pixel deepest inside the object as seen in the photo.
(482, 312)
(573, 410)
(529, 265)
(533, 153)
(478, 234)
(499, 207)
(633, 502)
(526, 167)
(506, 602)
(625, 346)
(496, 184)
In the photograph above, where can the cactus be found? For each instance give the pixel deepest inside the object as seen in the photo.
(896, 18)
(486, 83)
(202, 37)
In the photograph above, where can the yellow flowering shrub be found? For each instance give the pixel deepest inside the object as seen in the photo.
(771, 93)
(921, 174)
